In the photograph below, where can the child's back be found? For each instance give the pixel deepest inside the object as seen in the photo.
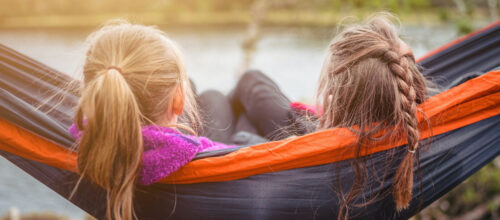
(135, 89)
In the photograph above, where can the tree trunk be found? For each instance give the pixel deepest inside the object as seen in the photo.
(258, 12)
(492, 4)
(462, 7)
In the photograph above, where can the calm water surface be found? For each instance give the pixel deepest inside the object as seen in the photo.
(291, 56)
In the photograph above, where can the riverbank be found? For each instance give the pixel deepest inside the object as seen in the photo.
(231, 18)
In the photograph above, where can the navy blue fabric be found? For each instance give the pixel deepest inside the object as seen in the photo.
(303, 193)
(475, 54)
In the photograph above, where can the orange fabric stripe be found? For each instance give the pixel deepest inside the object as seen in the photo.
(18, 141)
(470, 102)
(456, 41)
(465, 104)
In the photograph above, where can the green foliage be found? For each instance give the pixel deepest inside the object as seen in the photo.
(35, 7)
(470, 6)
(393, 5)
(481, 190)
(444, 15)
(419, 3)
(464, 26)
(68, 13)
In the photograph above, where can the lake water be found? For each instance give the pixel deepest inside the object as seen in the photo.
(290, 56)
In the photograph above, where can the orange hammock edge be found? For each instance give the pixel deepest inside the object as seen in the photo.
(450, 110)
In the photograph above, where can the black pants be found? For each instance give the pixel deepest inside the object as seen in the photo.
(256, 106)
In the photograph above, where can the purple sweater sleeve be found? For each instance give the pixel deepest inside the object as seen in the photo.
(165, 151)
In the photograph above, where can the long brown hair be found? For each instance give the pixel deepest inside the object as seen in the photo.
(371, 84)
(131, 74)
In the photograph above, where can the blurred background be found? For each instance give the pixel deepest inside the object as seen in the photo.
(285, 39)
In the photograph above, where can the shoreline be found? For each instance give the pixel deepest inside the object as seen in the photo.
(229, 19)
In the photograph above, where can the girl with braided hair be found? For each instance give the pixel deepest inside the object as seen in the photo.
(369, 83)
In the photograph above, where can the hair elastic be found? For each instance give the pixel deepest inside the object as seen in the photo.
(411, 151)
(115, 68)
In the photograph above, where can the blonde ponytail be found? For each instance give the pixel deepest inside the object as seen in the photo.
(131, 75)
(110, 149)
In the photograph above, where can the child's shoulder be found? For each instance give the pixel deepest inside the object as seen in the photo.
(155, 137)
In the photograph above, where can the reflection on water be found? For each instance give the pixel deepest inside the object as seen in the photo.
(291, 56)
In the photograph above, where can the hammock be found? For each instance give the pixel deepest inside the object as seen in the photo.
(289, 179)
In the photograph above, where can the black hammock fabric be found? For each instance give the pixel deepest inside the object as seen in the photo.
(303, 193)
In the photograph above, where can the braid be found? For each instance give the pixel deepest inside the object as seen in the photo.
(373, 79)
(403, 179)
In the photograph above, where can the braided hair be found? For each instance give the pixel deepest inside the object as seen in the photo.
(403, 181)
(371, 84)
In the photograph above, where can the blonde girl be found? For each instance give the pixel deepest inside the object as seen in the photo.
(134, 91)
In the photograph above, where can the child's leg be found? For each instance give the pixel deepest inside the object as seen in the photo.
(222, 125)
(243, 124)
(265, 106)
(218, 118)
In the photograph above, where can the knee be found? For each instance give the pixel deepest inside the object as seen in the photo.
(253, 81)
(251, 75)
(211, 95)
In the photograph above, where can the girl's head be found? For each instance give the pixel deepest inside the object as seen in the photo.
(133, 75)
(370, 83)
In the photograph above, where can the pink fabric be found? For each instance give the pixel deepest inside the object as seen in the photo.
(304, 107)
